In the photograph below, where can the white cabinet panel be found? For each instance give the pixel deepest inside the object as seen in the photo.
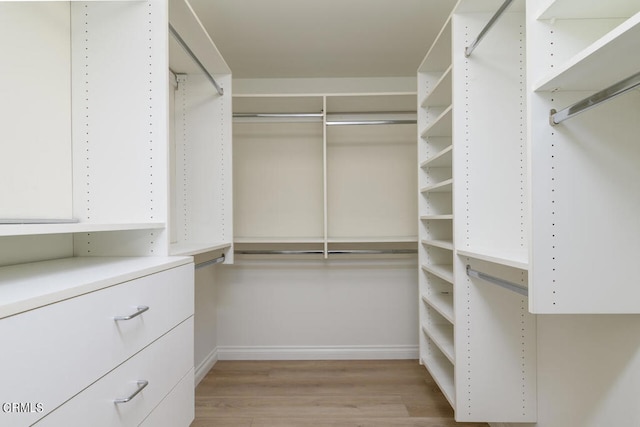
(70, 344)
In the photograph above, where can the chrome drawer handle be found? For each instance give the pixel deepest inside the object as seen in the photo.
(141, 385)
(141, 309)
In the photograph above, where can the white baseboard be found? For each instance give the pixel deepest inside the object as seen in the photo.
(317, 352)
(205, 366)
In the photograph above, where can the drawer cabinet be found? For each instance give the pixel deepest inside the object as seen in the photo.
(54, 352)
(140, 384)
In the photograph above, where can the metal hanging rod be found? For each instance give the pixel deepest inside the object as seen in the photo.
(210, 262)
(556, 117)
(497, 281)
(279, 252)
(193, 56)
(370, 122)
(494, 18)
(277, 115)
(331, 252)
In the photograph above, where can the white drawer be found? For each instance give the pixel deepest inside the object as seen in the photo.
(52, 353)
(162, 365)
(177, 409)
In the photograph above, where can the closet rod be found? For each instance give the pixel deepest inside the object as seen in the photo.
(277, 115)
(331, 252)
(497, 281)
(585, 104)
(370, 122)
(279, 252)
(494, 18)
(193, 56)
(210, 262)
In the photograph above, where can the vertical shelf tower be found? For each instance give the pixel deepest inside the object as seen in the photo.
(477, 340)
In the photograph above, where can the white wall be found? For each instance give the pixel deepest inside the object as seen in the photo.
(276, 309)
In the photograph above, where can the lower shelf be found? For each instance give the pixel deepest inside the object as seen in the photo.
(443, 374)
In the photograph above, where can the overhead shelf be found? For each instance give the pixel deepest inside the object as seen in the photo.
(601, 64)
(70, 228)
(580, 9)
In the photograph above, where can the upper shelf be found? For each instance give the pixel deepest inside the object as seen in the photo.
(438, 57)
(34, 228)
(580, 9)
(606, 61)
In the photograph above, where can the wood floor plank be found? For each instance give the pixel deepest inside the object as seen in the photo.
(358, 422)
(301, 406)
(321, 394)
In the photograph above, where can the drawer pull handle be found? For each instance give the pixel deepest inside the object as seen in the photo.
(141, 385)
(141, 309)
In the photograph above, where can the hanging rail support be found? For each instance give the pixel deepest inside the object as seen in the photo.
(497, 281)
(210, 262)
(557, 117)
(494, 18)
(193, 56)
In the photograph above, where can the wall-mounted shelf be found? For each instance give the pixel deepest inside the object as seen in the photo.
(584, 70)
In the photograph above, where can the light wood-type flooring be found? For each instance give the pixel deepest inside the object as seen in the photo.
(321, 394)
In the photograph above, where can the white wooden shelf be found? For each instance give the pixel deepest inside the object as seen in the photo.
(277, 240)
(605, 62)
(190, 249)
(442, 372)
(440, 96)
(441, 159)
(436, 217)
(443, 271)
(442, 337)
(441, 187)
(501, 259)
(444, 244)
(374, 239)
(580, 9)
(27, 286)
(438, 57)
(441, 126)
(442, 303)
(40, 229)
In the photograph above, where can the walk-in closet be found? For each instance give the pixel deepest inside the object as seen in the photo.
(195, 192)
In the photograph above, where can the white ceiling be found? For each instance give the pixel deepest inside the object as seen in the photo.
(323, 38)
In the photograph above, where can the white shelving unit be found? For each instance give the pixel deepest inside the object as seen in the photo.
(85, 213)
(336, 172)
(585, 167)
(201, 188)
(477, 339)
(435, 207)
